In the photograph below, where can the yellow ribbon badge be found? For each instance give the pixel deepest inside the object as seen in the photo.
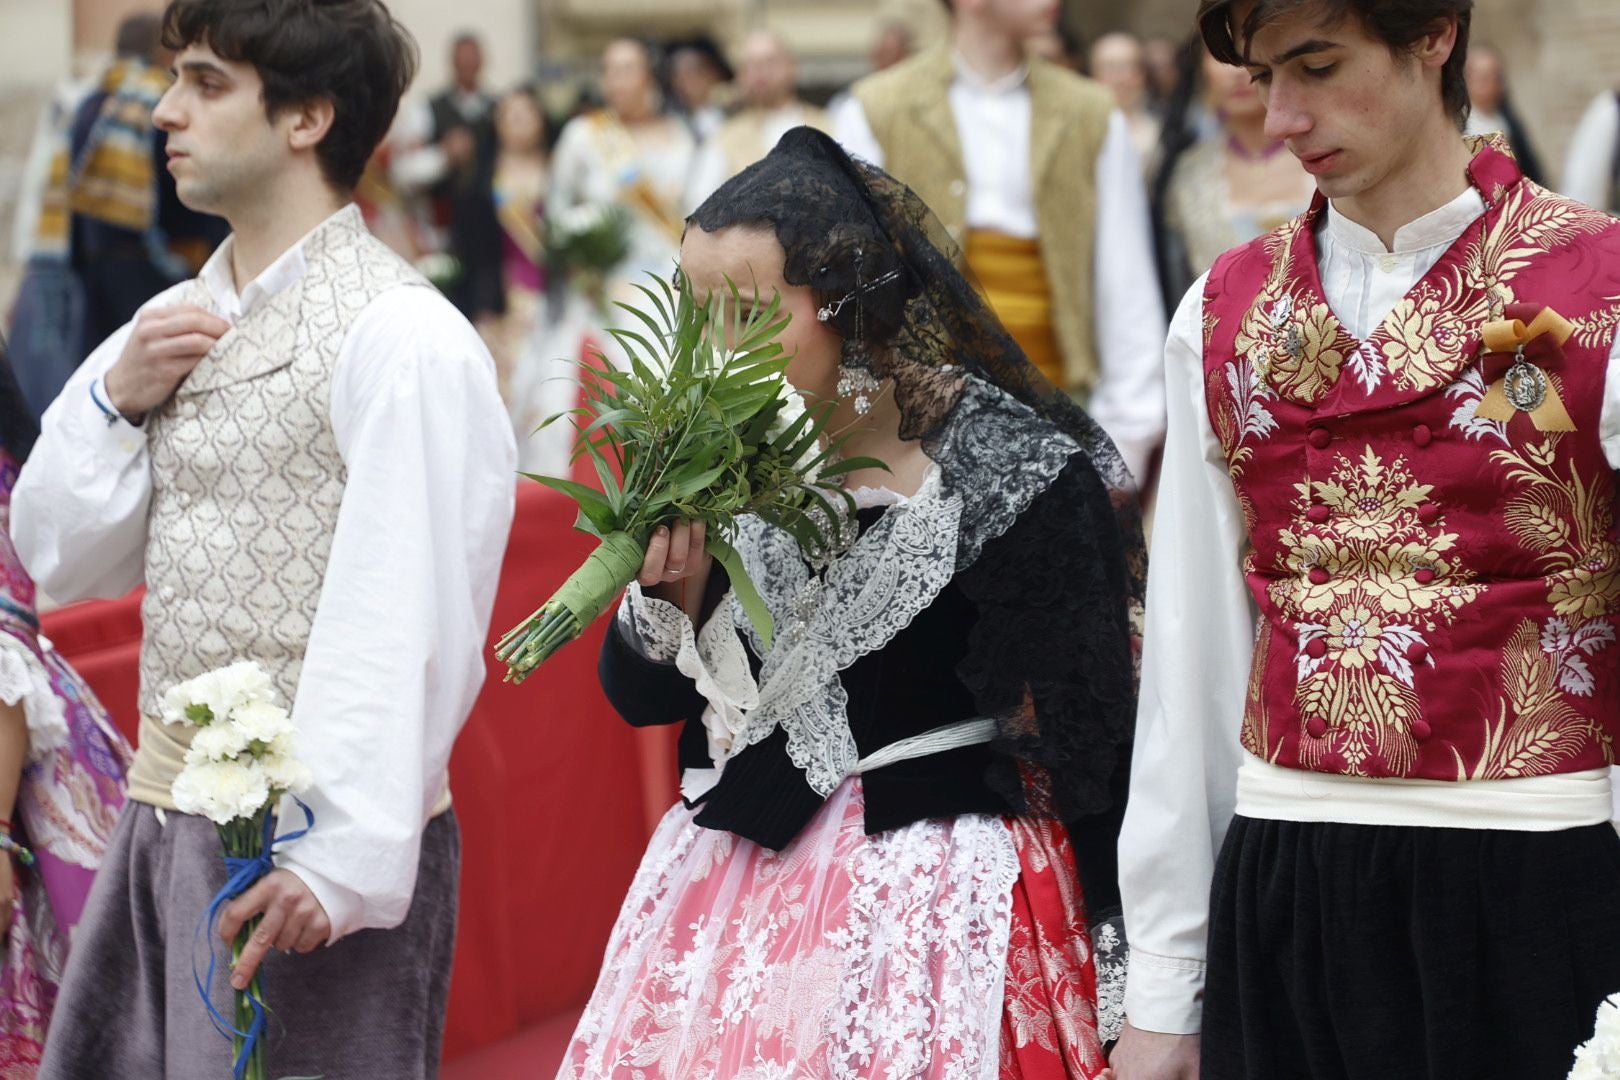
(1524, 386)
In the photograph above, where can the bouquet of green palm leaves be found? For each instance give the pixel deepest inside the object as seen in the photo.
(700, 424)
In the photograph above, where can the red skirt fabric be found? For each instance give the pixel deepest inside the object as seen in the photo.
(1049, 1011)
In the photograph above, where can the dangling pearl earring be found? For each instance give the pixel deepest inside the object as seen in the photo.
(857, 386)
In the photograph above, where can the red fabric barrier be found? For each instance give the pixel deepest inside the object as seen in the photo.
(555, 794)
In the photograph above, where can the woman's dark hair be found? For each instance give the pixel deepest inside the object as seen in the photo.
(352, 53)
(1399, 24)
(18, 428)
(1178, 134)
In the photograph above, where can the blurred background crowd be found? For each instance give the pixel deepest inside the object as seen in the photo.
(531, 113)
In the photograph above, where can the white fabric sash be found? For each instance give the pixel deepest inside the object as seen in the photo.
(1525, 804)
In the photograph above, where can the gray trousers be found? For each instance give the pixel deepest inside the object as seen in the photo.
(370, 1006)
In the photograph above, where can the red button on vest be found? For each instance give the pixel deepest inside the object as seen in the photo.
(1319, 576)
(1319, 438)
(1316, 727)
(1422, 436)
(1424, 576)
(1418, 652)
(1318, 514)
(1428, 513)
(1421, 730)
(1316, 648)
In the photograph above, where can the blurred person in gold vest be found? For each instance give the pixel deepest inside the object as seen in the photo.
(771, 108)
(1032, 171)
(111, 232)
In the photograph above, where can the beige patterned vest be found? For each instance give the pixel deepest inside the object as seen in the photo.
(742, 138)
(246, 485)
(908, 107)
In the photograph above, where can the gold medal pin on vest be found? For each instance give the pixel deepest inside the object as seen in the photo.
(1517, 357)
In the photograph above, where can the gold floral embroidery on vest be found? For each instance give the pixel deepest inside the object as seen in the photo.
(1428, 334)
(1535, 730)
(1256, 716)
(1294, 344)
(1365, 588)
(1600, 327)
(1566, 522)
(1240, 412)
(1299, 346)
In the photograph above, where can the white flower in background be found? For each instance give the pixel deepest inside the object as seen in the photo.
(222, 791)
(1599, 1057)
(579, 220)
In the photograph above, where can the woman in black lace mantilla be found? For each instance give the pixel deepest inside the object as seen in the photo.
(895, 852)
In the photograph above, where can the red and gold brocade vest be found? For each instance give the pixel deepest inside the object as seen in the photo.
(1437, 590)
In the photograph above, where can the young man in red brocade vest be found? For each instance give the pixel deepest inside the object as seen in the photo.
(1381, 685)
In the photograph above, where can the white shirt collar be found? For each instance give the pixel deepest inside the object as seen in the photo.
(1005, 84)
(1437, 228)
(288, 267)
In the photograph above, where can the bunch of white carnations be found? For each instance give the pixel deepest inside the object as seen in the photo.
(241, 758)
(1599, 1057)
(239, 765)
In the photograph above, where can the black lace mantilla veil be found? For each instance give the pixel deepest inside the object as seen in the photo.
(1058, 594)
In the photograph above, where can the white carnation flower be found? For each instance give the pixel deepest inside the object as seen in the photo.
(217, 742)
(244, 682)
(1599, 1057)
(792, 408)
(222, 791)
(223, 691)
(262, 722)
(172, 708)
(286, 773)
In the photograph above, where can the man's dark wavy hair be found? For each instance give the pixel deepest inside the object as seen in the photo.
(353, 53)
(1399, 24)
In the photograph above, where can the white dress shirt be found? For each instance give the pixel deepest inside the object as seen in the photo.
(419, 161)
(1589, 168)
(993, 124)
(395, 654)
(1201, 627)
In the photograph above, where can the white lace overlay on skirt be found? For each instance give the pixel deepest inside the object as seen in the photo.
(23, 679)
(844, 956)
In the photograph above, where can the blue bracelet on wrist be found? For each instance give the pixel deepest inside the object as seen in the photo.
(107, 410)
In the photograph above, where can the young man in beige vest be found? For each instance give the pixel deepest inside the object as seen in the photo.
(771, 108)
(1032, 171)
(302, 454)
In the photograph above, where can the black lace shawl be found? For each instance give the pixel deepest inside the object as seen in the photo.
(1050, 655)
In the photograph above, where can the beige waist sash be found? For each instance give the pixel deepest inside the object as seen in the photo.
(161, 753)
(1523, 804)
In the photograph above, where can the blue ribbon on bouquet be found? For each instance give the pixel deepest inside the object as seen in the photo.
(243, 874)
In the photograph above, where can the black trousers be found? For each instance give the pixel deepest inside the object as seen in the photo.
(1363, 952)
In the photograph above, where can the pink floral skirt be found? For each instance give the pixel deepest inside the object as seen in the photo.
(951, 948)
